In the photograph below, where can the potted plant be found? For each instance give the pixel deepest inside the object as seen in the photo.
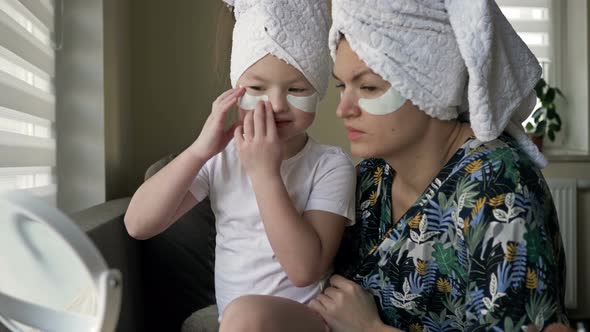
(545, 119)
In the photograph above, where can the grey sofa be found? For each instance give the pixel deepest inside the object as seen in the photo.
(166, 278)
(177, 269)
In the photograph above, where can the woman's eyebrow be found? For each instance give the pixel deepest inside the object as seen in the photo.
(357, 76)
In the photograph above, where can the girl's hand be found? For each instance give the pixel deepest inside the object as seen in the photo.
(258, 142)
(214, 137)
(346, 307)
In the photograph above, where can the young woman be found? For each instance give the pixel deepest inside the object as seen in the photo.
(456, 229)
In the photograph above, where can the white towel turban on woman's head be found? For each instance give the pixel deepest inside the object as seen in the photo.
(295, 31)
(447, 56)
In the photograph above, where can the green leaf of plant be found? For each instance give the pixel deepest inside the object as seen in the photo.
(558, 120)
(550, 95)
(551, 134)
(541, 128)
(539, 88)
(529, 127)
(551, 113)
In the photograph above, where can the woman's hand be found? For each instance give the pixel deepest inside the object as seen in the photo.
(258, 143)
(214, 137)
(347, 307)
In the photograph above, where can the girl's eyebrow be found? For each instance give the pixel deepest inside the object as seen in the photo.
(258, 78)
(296, 80)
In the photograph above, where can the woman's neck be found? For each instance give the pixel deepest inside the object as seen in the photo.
(419, 163)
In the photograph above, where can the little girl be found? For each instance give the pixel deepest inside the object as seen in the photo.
(281, 200)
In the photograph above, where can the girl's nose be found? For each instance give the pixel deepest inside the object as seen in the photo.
(279, 102)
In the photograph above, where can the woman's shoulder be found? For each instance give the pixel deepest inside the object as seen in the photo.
(502, 155)
(495, 170)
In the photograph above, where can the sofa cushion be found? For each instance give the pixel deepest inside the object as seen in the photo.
(204, 320)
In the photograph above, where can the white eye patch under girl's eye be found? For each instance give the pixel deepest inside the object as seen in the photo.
(389, 102)
(305, 103)
(248, 101)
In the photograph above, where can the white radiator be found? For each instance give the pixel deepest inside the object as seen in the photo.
(565, 197)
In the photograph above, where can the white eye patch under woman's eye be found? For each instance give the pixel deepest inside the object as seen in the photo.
(305, 103)
(389, 102)
(248, 101)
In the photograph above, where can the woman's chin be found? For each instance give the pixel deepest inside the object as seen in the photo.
(361, 151)
(366, 151)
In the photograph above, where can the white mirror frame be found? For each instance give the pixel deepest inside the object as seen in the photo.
(108, 283)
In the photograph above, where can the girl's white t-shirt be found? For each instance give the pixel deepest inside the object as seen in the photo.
(319, 177)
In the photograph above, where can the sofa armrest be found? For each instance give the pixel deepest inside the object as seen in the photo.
(100, 215)
(104, 225)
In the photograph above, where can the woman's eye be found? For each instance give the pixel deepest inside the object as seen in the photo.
(369, 88)
(255, 88)
(340, 86)
(296, 90)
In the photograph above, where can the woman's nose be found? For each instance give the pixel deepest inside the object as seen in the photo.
(348, 106)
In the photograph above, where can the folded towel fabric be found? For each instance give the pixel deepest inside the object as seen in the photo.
(447, 57)
(295, 31)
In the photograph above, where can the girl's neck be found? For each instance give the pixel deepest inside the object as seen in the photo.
(294, 145)
(418, 164)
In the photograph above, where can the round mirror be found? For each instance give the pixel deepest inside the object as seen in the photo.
(52, 277)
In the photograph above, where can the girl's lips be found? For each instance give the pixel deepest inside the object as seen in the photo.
(280, 124)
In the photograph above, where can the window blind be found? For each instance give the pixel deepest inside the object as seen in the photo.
(532, 20)
(27, 97)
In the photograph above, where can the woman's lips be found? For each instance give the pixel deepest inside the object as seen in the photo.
(354, 134)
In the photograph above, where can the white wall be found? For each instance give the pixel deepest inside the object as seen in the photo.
(573, 79)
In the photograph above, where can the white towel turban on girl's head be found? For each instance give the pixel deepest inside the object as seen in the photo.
(447, 56)
(295, 31)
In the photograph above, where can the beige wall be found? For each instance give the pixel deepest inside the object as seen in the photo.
(160, 84)
(172, 83)
(327, 127)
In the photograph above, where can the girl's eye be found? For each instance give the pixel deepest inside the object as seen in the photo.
(296, 90)
(255, 88)
(340, 86)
